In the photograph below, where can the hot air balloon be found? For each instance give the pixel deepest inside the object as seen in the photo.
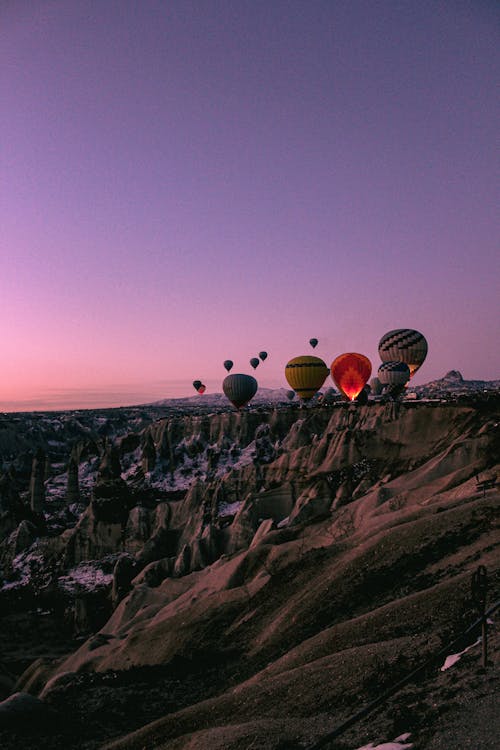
(255, 362)
(202, 389)
(228, 364)
(350, 372)
(313, 342)
(196, 384)
(263, 355)
(403, 345)
(362, 397)
(376, 386)
(393, 373)
(306, 375)
(329, 396)
(394, 392)
(290, 395)
(239, 389)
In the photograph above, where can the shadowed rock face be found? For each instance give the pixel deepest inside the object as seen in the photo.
(318, 558)
(37, 486)
(73, 489)
(299, 466)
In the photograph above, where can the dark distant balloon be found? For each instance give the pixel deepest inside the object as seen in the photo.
(228, 364)
(263, 355)
(362, 397)
(350, 372)
(329, 396)
(290, 395)
(313, 342)
(196, 384)
(239, 389)
(202, 389)
(376, 386)
(306, 375)
(255, 362)
(394, 373)
(404, 345)
(394, 391)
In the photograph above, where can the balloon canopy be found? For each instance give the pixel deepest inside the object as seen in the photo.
(255, 362)
(239, 389)
(290, 395)
(263, 355)
(313, 342)
(376, 386)
(202, 389)
(196, 384)
(350, 372)
(228, 364)
(306, 375)
(394, 373)
(404, 345)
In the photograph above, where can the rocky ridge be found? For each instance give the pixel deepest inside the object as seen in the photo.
(278, 531)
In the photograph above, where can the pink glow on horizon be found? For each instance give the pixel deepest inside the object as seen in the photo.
(183, 183)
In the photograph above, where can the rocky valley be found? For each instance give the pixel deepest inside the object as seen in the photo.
(202, 578)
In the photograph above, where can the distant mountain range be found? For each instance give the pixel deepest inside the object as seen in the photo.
(452, 383)
(263, 396)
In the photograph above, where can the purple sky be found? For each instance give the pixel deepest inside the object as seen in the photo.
(185, 182)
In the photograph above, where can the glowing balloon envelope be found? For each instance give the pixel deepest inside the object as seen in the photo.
(255, 362)
(404, 345)
(239, 389)
(228, 364)
(263, 355)
(394, 373)
(313, 342)
(306, 375)
(350, 372)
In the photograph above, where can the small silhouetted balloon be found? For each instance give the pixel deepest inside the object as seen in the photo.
(362, 397)
(290, 395)
(255, 362)
(313, 342)
(202, 389)
(263, 355)
(196, 384)
(228, 364)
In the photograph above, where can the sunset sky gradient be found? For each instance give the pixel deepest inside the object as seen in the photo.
(185, 182)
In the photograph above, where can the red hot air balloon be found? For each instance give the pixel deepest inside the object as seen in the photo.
(350, 372)
(202, 389)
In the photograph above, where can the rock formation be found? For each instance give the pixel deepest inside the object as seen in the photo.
(293, 562)
(148, 454)
(37, 483)
(73, 489)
